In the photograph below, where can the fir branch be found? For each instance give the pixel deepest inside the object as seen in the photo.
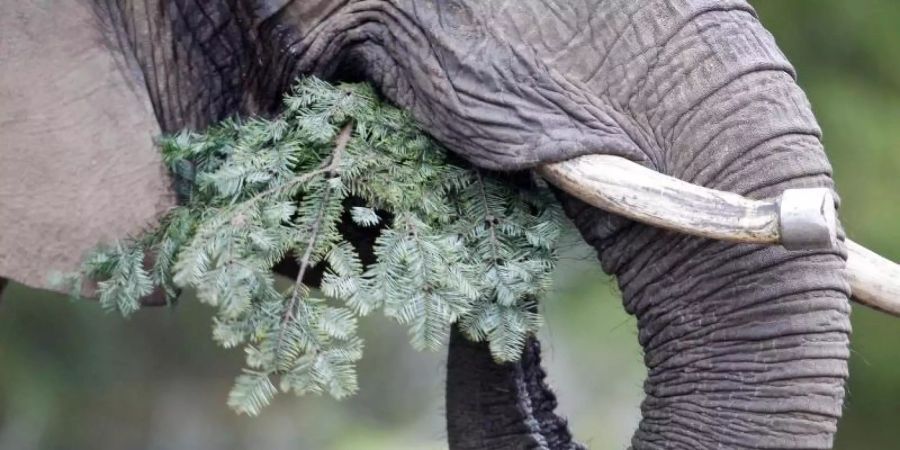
(340, 146)
(453, 244)
(299, 288)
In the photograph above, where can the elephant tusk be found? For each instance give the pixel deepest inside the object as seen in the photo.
(874, 280)
(800, 219)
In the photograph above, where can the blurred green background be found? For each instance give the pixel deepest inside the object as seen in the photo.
(72, 377)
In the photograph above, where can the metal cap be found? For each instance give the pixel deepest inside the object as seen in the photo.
(807, 219)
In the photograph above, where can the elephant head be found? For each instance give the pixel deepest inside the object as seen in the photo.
(745, 345)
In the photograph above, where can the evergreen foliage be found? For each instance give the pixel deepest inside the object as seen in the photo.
(454, 245)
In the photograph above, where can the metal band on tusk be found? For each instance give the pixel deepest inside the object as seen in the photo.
(807, 219)
(801, 219)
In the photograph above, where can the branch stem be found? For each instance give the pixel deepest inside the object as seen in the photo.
(341, 142)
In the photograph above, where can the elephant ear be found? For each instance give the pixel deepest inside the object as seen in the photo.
(78, 165)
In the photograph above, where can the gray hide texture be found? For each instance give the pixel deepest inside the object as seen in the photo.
(77, 161)
(746, 346)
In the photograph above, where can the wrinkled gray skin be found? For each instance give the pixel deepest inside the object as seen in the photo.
(746, 346)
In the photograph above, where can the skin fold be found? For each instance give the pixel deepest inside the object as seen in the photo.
(746, 346)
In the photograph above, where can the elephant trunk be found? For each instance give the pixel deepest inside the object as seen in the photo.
(501, 406)
(745, 345)
(749, 352)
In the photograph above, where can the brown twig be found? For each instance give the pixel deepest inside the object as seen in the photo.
(341, 142)
(488, 218)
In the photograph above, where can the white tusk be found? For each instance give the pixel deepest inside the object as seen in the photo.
(874, 280)
(801, 219)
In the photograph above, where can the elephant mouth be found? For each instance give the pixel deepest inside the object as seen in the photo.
(800, 219)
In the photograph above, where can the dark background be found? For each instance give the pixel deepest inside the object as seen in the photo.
(72, 377)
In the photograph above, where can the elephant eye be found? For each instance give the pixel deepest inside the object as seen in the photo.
(459, 16)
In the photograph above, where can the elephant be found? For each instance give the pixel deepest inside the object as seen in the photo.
(746, 346)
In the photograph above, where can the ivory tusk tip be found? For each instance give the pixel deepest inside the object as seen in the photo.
(874, 280)
(807, 219)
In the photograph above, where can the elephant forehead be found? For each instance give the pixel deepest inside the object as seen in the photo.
(611, 44)
(77, 162)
